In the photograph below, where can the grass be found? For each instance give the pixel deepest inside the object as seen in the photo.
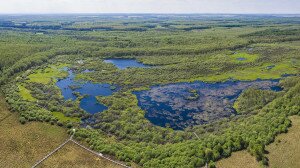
(73, 156)
(238, 160)
(253, 73)
(285, 151)
(61, 117)
(25, 93)
(247, 57)
(50, 74)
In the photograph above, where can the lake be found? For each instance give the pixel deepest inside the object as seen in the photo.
(125, 63)
(182, 105)
(89, 90)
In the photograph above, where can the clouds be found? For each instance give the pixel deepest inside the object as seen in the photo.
(150, 6)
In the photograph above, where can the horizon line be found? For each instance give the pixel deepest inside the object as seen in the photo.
(145, 13)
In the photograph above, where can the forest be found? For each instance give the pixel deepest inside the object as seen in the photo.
(175, 48)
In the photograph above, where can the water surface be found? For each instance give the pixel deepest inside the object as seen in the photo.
(186, 104)
(89, 90)
(241, 59)
(125, 63)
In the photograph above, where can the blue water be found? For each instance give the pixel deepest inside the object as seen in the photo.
(241, 59)
(87, 71)
(270, 66)
(166, 105)
(87, 89)
(125, 63)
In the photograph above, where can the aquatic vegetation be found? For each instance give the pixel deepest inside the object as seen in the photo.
(174, 106)
(193, 95)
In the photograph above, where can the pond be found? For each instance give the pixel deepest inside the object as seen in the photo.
(69, 87)
(186, 104)
(241, 59)
(125, 63)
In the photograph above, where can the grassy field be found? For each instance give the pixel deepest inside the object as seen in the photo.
(23, 145)
(253, 73)
(245, 57)
(238, 160)
(285, 151)
(47, 75)
(25, 93)
(73, 156)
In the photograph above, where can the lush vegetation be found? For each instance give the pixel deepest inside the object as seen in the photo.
(179, 48)
(253, 99)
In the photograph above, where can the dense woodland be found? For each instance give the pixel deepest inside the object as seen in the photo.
(178, 48)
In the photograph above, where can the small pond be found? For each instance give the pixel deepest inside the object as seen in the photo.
(270, 67)
(186, 104)
(89, 90)
(125, 63)
(241, 59)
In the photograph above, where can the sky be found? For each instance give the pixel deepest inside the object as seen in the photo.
(151, 6)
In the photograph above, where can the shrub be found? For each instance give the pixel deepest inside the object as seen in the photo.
(22, 120)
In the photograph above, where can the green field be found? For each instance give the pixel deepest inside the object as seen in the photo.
(25, 93)
(47, 75)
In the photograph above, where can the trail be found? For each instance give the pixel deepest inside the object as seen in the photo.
(87, 149)
(196, 135)
(51, 153)
(99, 154)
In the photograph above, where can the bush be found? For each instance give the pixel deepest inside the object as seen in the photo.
(60, 124)
(22, 120)
(212, 164)
(69, 125)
